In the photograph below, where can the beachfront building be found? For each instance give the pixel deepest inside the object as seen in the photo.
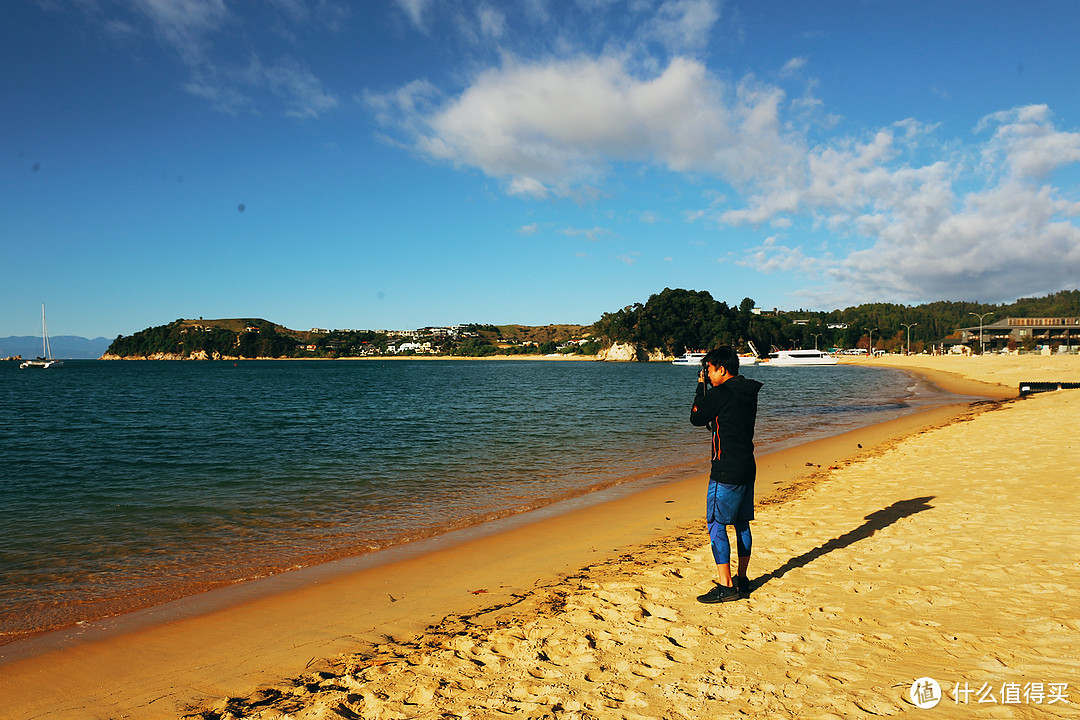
(410, 347)
(1039, 334)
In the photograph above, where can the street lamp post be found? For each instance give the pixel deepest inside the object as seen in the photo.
(982, 346)
(908, 351)
(871, 340)
(816, 336)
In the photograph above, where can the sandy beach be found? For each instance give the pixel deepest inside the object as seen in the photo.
(939, 545)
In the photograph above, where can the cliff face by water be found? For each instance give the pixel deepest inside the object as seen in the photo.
(625, 352)
(197, 355)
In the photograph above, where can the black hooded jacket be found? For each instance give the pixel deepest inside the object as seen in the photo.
(733, 407)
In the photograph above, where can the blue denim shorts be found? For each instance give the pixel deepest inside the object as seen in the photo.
(729, 504)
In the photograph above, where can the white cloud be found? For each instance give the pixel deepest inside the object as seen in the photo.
(204, 33)
(1003, 242)
(302, 92)
(414, 10)
(591, 234)
(555, 127)
(1027, 142)
(771, 257)
(683, 25)
(911, 216)
(492, 21)
(231, 88)
(185, 25)
(527, 186)
(793, 66)
(223, 94)
(1008, 235)
(404, 107)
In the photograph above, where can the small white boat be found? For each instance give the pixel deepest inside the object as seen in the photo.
(793, 358)
(695, 358)
(752, 357)
(47, 361)
(689, 358)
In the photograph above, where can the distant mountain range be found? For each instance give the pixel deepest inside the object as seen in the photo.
(65, 347)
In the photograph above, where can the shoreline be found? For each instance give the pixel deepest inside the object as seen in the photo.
(268, 641)
(212, 594)
(23, 618)
(940, 374)
(351, 358)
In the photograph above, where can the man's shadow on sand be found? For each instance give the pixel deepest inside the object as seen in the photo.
(874, 521)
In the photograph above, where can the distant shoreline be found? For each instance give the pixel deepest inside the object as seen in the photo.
(559, 358)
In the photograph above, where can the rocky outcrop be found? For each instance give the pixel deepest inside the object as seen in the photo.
(625, 352)
(197, 355)
(618, 352)
(154, 356)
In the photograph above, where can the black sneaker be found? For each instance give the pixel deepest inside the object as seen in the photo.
(743, 584)
(719, 594)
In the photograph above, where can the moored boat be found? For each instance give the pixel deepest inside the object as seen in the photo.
(689, 358)
(794, 358)
(752, 357)
(695, 358)
(47, 361)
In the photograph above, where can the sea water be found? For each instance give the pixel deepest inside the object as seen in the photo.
(125, 484)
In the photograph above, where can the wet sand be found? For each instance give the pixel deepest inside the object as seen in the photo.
(883, 555)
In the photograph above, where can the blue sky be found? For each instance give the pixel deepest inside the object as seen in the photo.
(395, 164)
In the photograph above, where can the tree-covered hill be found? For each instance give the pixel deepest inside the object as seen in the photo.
(255, 337)
(673, 320)
(236, 337)
(676, 320)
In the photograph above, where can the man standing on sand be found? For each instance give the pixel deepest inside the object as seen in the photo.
(726, 402)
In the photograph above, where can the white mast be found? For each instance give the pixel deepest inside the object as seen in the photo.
(45, 335)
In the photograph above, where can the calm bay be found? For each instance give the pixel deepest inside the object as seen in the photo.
(127, 484)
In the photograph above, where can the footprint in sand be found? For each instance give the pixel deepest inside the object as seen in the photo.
(622, 697)
(684, 637)
(659, 661)
(603, 640)
(542, 672)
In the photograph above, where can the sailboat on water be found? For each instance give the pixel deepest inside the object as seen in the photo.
(47, 361)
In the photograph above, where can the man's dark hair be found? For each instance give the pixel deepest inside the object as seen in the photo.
(723, 356)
